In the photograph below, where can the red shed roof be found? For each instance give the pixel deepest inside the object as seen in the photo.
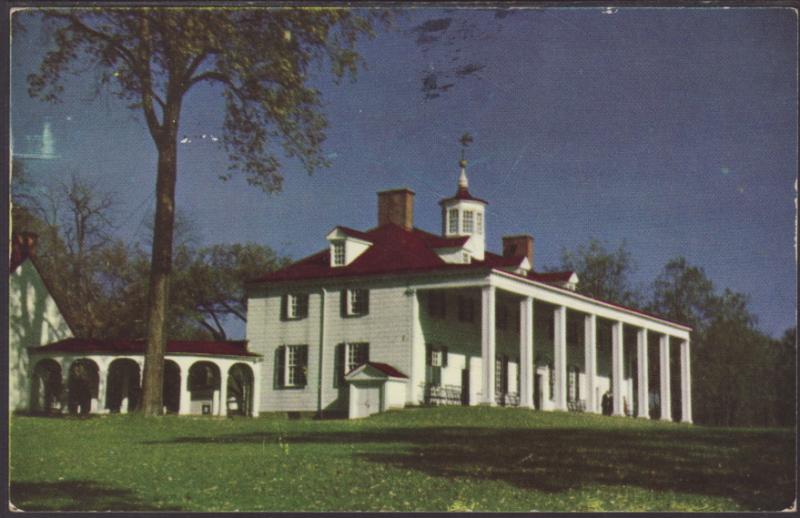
(93, 345)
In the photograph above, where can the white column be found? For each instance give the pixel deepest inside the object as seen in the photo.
(257, 390)
(223, 390)
(98, 403)
(590, 355)
(643, 408)
(617, 367)
(487, 343)
(666, 399)
(686, 383)
(186, 396)
(526, 352)
(560, 353)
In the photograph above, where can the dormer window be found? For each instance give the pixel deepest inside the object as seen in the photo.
(453, 217)
(338, 253)
(468, 223)
(466, 258)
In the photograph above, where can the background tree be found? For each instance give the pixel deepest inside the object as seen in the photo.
(603, 273)
(260, 58)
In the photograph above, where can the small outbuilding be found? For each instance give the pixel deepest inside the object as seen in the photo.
(375, 387)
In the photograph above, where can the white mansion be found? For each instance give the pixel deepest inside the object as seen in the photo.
(397, 316)
(384, 318)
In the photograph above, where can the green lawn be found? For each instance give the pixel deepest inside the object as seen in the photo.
(425, 459)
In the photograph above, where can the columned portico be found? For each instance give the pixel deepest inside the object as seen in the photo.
(666, 399)
(526, 352)
(488, 344)
(560, 354)
(617, 353)
(643, 397)
(590, 356)
(686, 383)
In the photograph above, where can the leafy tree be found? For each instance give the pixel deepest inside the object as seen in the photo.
(683, 293)
(603, 273)
(259, 58)
(212, 285)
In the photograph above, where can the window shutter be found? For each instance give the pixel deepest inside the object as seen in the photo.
(366, 353)
(343, 302)
(302, 366)
(338, 366)
(444, 356)
(505, 373)
(302, 306)
(428, 354)
(280, 363)
(365, 305)
(284, 310)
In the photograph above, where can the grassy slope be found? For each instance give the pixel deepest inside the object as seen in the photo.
(418, 459)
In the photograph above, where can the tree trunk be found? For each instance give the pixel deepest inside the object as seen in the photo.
(161, 265)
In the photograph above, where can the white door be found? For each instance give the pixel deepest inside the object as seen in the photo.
(369, 400)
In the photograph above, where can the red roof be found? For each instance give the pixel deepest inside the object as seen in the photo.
(354, 233)
(395, 250)
(387, 369)
(463, 194)
(93, 345)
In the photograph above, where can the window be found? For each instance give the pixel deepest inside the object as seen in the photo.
(357, 354)
(468, 223)
(573, 392)
(338, 253)
(435, 361)
(466, 309)
(292, 366)
(356, 301)
(479, 222)
(436, 304)
(296, 306)
(453, 217)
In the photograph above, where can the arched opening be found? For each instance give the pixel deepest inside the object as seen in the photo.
(172, 387)
(124, 386)
(240, 390)
(83, 384)
(46, 387)
(204, 385)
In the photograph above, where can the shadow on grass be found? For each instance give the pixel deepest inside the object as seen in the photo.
(76, 495)
(754, 469)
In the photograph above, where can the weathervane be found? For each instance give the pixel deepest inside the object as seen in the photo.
(465, 140)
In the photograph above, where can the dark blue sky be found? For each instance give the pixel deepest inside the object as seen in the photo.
(672, 129)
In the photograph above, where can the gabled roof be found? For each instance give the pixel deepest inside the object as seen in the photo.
(351, 232)
(22, 249)
(383, 369)
(122, 346)
(395, 250)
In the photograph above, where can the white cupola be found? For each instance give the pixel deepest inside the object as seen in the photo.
(463, 215)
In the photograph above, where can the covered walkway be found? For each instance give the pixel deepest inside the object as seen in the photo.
(83, 376)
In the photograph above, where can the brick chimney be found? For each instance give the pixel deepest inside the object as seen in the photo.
(396, 206)
(514, 246)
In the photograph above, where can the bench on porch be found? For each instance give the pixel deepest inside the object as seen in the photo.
(577, 406)
(442, 394)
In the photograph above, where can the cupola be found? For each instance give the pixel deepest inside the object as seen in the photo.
(463, 215)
